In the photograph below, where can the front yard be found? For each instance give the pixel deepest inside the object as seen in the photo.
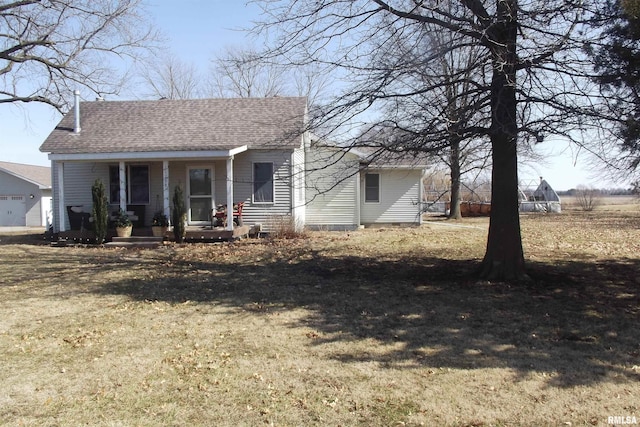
(374, 328)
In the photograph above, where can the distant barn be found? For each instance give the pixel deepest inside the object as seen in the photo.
(543, 199)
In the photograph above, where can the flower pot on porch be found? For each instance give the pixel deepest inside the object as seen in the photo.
(124, 231)
(123, 224)
(159, 231)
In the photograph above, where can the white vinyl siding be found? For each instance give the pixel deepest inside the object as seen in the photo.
(332, 189)
(78, 179)
(264, 213)
(329, 194)
(399, 198)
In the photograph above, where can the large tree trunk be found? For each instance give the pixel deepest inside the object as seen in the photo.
(454, 161)
(504, 258)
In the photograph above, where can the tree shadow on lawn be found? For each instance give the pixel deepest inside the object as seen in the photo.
(576, 322)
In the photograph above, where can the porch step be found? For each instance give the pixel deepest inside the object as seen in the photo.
(135, 242)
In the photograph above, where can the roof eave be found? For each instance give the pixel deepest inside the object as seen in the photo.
(148, 155)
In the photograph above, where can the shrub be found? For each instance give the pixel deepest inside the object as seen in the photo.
(100, 211)
(179, 215)
(284, 227)
(588, 198)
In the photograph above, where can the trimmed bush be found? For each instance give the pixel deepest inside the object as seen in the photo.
(179, 215)
(100, 211)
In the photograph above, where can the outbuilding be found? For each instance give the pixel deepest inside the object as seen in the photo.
(25, 195)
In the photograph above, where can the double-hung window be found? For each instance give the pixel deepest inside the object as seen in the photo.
(263, 190)
(137, 184)
(372, 188)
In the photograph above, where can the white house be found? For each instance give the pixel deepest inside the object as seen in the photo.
(221, 151)
(25, 195)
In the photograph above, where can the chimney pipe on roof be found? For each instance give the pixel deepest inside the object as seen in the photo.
(76, 111)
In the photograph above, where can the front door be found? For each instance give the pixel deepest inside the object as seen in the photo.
(200, 200)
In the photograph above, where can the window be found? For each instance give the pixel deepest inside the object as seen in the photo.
(137, 184)
(372, 188)
(263, 182)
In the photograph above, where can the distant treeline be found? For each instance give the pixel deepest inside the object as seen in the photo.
(601, 191)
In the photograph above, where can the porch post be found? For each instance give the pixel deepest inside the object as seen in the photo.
(230, 193)
(165, 188)
(61, 204)
(123, 187)
(359, 200)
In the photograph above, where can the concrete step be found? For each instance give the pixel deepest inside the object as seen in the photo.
(135, 242)
(136, 239)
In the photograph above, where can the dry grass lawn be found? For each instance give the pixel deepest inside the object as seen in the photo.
(374, 328)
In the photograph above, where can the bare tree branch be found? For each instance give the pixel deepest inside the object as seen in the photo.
(168, 77)
(49, 48)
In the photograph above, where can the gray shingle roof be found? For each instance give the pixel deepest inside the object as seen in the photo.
(38, 174)
(180, 125)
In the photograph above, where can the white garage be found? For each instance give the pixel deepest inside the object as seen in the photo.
(25, 195)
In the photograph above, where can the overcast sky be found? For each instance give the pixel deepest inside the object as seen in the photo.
(198, 29)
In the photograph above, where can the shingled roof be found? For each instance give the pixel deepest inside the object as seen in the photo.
(39, 175)
(180, 125)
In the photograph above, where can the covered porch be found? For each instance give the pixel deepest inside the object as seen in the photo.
(145, 182)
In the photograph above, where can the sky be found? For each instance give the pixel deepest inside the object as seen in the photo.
(198, 29)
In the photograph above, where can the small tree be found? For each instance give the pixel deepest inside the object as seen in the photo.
(178, 215)
(100, 213)
(588, 198)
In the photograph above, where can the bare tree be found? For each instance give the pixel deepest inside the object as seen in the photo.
(169, 77)
(449, 108)
(537, 78)
(588, 198)
(49, 48)
(244, 73)
(312, 82)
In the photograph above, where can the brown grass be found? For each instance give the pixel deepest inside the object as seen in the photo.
(381, 327)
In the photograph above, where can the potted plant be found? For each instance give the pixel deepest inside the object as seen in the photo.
(159, 224)
(123, 224)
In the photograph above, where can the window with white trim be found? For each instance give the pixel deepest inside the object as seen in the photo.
(263, 188)
(137, 184)
(372, 188)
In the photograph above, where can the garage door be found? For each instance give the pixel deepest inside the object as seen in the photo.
(13, 211)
